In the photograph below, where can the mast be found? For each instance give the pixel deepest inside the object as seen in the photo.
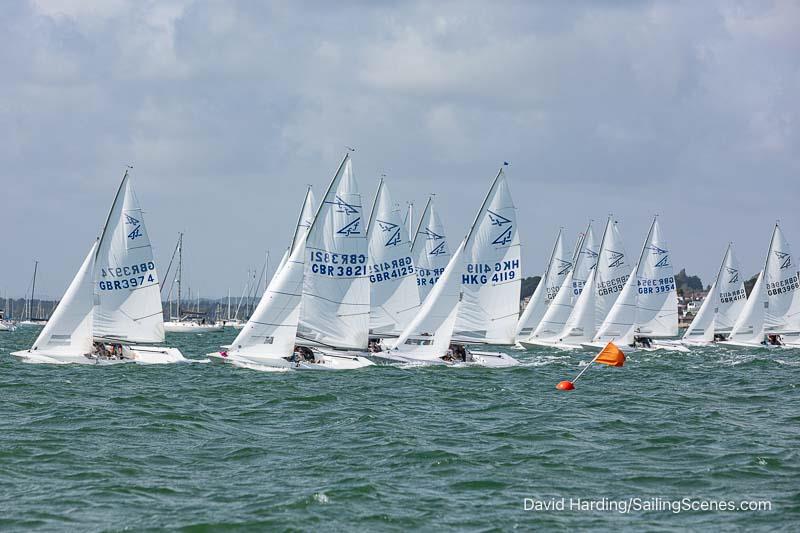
(419, 225)
(180, 272)
(33, 289)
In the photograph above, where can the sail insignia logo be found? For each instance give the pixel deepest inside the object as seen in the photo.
(137, 231)
(504, 237)
(394, 240)
(656, 250)
(439, 250)
(734, 273)
(617, 259)
(785, 258)
(432, 235)
(497, 220)
(385, 226)
(353, 228)
(344, 207)
(592, 257)
(563, 267)
(663, 262)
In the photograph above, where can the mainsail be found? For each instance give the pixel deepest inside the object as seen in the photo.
(428, 335)
(557, 313)
(128, 301)
(271, 330)
(647, 304)
(69, 330)
(602, 289)
(490, 280)
(429, 250)
(722, 305)
(394, 298)
(774, 303)
(335, 303)
(558, 267)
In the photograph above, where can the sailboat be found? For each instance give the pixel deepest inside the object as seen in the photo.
(30, 320)
(112, 302)
(601, 291)
(647, 305)
(5, 324)
(721, 307)
(558, 268)
(394, 297)
(188, 322)
(771, 316)
(475, 301)
(555, 317)
(429, 250)
(314, 314)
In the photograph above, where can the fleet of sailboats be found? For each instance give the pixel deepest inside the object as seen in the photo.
(353, 289)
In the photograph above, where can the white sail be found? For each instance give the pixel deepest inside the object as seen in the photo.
(648, 303)
(69, 330)
(602, 289)
(335, 303)
(557, 313)
(394, 298)
(427, 337)
(429, 250)
(749, 327)
(271, 330)
(491, 281)
(774, 303)
(722, 305)
(556, 271)
(128, 300)
(782, 314)
(307, 212)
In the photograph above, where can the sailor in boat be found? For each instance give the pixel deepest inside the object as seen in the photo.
(302, 354)
(719, 337)
(772, 340)
(643, 342)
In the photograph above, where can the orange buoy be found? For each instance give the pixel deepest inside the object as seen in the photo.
(565, 385)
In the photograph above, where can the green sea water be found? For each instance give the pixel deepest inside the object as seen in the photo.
(207, 447)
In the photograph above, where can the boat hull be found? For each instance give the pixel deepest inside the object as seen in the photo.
(188, 327)
(324, 360)
(143, 355)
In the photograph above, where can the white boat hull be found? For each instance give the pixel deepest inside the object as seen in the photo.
(324, 361)
(190, 327)
(143, 355)
(7, 326)
(547, 344)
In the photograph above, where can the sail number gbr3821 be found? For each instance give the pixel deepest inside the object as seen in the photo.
(128, 277)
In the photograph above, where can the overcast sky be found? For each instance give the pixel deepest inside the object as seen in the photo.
(228, 109)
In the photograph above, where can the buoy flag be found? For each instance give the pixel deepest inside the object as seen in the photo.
(611, 355)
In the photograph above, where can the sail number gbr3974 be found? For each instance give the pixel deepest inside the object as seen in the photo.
(127, 277)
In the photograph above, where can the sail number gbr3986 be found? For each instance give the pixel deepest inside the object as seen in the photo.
(127, 277)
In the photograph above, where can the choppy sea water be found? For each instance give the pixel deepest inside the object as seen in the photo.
(209, 447)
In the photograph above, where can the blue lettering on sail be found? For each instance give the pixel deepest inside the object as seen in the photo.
(344, 207)
(504, 237)
(431, 235)
(497, 220)
(439, 250)
(395, 239)
(786, 258)
(617, 259)
(352, 228)
(136, 233)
